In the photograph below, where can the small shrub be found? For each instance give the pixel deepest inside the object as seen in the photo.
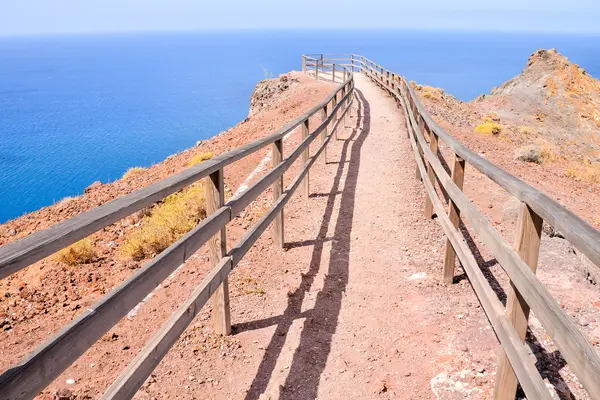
(81, 252)
(589, 172)
(430, 96)
(133, 172)
(198, 158)
(170, 220)
(548, 153)
(489, 128)
(491, 118)
(530, 153)
(525, 130)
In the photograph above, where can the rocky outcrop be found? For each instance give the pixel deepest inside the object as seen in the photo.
(269, 91)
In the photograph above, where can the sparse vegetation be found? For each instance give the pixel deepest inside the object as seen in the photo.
(588, 172)
(549, 153)
(251, 286)
(133, 172)
(525, 130)
(82, 252)
(170, 220)
(198, 158)
(492, 118)
(489, 128)
(430, 96)
(530, 153)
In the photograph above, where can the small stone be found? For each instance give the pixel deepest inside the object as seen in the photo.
(63, 394)
(584, 321)
(70, 381)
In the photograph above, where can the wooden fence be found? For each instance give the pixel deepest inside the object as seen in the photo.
(27, 378)
(526, 292)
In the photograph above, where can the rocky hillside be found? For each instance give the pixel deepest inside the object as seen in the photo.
(554, 97)
(542, 126)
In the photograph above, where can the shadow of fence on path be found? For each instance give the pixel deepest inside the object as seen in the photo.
(311, 355)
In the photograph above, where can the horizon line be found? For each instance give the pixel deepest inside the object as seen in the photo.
(292, 30)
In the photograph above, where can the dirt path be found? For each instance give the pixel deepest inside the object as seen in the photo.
(353, 309)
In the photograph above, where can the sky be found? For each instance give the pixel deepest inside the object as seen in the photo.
(44, 17)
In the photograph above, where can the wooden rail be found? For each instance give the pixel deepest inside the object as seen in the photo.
(526, 292)
(27, 378)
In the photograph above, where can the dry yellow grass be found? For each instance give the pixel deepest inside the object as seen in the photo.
(488, 128)
(198, 158)
(170, 220)
(133, 171)
(430, 96)
(587, 171)
(525, 130)
(549, 153)
(82, 252)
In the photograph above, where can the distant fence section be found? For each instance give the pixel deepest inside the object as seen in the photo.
(27, 378)
(526, 292)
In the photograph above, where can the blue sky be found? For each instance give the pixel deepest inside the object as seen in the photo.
(35, 17)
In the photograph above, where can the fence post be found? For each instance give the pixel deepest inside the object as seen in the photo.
(433, 146)
(324, 132)
(352, 62)
(343, 107)
(215, 198)
(305, 156)
(316, 68)
(527, 244)
(304, 64)
(419, 130)
(458, 177)
(333, 72)
(277, 192)
(346, 105)
(334, 111)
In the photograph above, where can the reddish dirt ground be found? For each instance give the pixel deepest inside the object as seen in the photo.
(353, 308)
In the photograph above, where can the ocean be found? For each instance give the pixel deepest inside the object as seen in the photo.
(79, 109)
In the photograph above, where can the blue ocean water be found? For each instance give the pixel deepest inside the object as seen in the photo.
(77, 109)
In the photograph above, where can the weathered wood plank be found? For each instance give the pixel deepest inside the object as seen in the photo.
(527, 244)
(217, 249)
(433, 146)
(458, 177)
(305, 156)
(278, 229)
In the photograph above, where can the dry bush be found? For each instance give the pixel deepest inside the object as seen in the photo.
(525, 130)
(488, 128)
(82, 252)
(198, 158)
(169, 221)
(133, 172)
(430, 96)
(587, 172)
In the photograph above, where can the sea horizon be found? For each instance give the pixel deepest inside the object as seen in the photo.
(75, 109)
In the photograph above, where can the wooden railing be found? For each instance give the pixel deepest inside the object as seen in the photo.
(526, 292)
(27, 378)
